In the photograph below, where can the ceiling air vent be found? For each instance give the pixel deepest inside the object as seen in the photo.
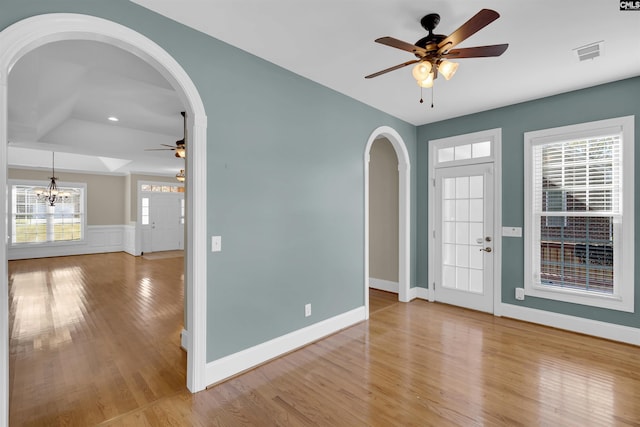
(589, 51)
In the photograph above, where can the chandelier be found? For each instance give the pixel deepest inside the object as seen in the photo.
(52, 194)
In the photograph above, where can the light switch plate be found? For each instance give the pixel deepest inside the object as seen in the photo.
(511, 231)
(216, 243)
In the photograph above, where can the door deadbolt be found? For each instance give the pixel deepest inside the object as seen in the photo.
(488, 238)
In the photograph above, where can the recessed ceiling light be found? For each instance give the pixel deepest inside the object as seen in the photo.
(113, 119)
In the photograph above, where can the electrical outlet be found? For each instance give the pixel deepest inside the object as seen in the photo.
(520, 294)
(307, 310)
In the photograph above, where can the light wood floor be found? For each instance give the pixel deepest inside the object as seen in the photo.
(95, 341)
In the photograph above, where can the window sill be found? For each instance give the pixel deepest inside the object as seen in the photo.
(611, 302)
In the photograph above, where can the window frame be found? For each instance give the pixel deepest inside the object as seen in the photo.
(622, 298)
(82, 187)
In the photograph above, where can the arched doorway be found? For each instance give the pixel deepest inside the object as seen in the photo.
(31, 33)
(404, 198)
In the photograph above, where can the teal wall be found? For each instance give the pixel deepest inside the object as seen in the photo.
(616, 99)
(285, 180)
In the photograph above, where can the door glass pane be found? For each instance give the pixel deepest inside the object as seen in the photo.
(448, 188)
(462, 187)
(449, 232)
(449, 254)
(448, 276)
(476, 258)
(476, 186)
(475, 281)
(476, 210)
(462, 255)
(445, 154)
(449, 210)
(475, 233)
(463, 233)
(481, 149)
(462, 279)
(462, 210)
(462, 152)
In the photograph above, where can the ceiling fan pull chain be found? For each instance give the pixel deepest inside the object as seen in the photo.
(432, 89)
(421, 100)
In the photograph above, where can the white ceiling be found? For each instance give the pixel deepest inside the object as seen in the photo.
(60, 98)
(332, 43)
(61, 94)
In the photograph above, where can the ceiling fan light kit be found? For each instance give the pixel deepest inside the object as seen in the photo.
(434, 50)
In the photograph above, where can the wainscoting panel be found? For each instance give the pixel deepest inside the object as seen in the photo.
(99, 239)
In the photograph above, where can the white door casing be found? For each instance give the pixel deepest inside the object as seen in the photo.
(476, 154)
(464, 236)
(33, 32)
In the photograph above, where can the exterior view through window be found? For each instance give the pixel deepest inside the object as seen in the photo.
(579, 220)
(35, 221)
(578, 201)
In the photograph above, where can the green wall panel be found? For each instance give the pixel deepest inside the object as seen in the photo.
(615, 99)
(285, 181)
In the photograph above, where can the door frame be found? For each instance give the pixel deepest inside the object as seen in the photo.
(404, 212)
(142, 229)
(494, 135)
(33, 32)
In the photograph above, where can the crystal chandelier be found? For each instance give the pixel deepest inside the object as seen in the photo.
(52, 194)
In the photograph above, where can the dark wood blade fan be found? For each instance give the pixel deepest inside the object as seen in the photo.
(436, 48)
(180, 147)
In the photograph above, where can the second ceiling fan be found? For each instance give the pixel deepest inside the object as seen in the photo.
(434, 51)
(181, 145)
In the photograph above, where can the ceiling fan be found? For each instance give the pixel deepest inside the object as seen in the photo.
(180, 148)
(434, 51)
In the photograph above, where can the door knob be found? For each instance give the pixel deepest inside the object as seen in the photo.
(486, 249)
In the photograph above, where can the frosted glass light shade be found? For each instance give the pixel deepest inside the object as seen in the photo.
(421, 70)
(448, 69)
(428, 82)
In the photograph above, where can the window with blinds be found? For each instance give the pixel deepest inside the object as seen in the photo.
(577, 187)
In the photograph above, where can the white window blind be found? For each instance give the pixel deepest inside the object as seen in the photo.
(579, 213)
(582, 177)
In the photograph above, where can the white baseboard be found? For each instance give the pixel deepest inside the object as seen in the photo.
(595, 328)
(384, 285)
(184, 340)
(228, 366)
(418, 292)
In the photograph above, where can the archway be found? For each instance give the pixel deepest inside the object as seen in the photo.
(31, 33)
(404, 198)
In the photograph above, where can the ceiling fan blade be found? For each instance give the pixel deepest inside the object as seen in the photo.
(399, 44)
(477, 52)
(395, 67)
(159, 149)
(469, 28)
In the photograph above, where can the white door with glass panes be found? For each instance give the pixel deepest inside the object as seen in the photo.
(464, 236)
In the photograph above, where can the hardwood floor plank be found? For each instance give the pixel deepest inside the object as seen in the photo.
(94, 340)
